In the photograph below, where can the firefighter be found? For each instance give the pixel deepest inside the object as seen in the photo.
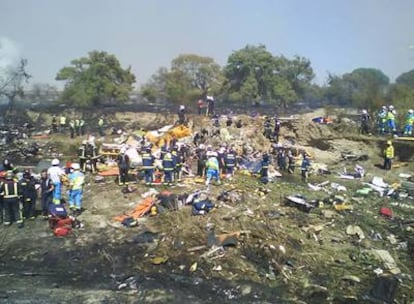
(201, 160)
(388, 155)
(46, 188)
(148, 165)
(178, 161)
(305, 167)
(10, 193)
(264, 171)
(123, 165)
(82, 127)
(77, 127)
(62, 123)
(82, 155)
(181, 115)
(54, 124)
(101, 126)
(72, 128)
(90, 157)
(29, 194)
(230, 162)
(169, 167)
(267, 128)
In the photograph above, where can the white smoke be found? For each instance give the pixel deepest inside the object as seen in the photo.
(9, 57)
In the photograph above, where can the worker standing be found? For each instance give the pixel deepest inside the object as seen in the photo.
(168, 167)
(72, 128)
(365, 119)
(382, 120)
(305, 167)
(46, 188)
(81, 127)
(213, 168)
(55, 173)
(10, 192)
(388, 155)
(76, 182)
(267, 128)
(54, 124)
(62, 123)
(29, 194)
(148, 166)
(392, 127)
(101, 126)
(409, 120)
(230, 162)
(181, 115)
(123, 165)
(264, 169)
(201, 160)
(77, 127)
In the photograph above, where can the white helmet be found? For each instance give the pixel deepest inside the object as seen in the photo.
(55, 162)
(391, 107)
(384, 107)
(84, 142)
(364, 111)
(394, 112)
(411, 111)
(75, 166)
(182, 107)
(201, 146)
(213, 154)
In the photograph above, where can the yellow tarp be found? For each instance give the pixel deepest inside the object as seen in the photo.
(178, 132)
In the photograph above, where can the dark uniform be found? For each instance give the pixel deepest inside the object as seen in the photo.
(148, 166)
(291, 162)
(82, 156)
(201, 161)
(29, 194)
(178, 161)
(46, 187)
(123, 165)
(230, 161)
(267, 126)
(276, 131)
(264, 172)
(169, 167)
(91, 157)
(10, 193)
(281, 159)
(304, 167)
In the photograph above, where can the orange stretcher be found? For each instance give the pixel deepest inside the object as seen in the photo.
(140, 210)
(109, 172)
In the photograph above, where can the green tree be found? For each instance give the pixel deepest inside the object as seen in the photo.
(95, 79)
(406, 79)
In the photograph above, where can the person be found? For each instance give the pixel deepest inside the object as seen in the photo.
(276, 131)
(46, 190)
(10, 193)
(76, 182)
(123, 165)
(54, 124)
(82, 127)
(55, 173)
(201, 160)
(200, 106)
(181, 115)
(229, 121)
(72, 128)
(77, 128)
(230, 162)
(267, 128)
(392, 128)
(264, 168)
(148, 165)
(8, 166)
(291, 162)
(29, 194)
(101, 126)
(210, 106)
(409, 120)
(168, 167)
(178, 161)
(90, 157)
(388, 155)
(62, 123)
(281, 159)
(382, 120)
(239, 124)
(82, 154)
(212, 166)
(305, 166)
(365, 119)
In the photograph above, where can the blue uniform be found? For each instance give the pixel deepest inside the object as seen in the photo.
(304, 167)
(148, 165)
(212, 166)
(264, 171)
(230, 161)
(169, 167)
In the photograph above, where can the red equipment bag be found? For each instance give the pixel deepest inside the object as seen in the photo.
(62, 231)
(387, 212)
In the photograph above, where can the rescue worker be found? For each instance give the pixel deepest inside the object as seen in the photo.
(229, 121)
(267, 128)
(164, 150)
(276, 131)
(178, 161)
(281, 159)
(148, 165)
(82, 155)
(291, 162)
(101, 126)
(8, 166)
(305, 167)
(201, 160)
(46, 188)
(76, 181)
(365, 120)
(81, 127)
(123, 165)
(62, 123)
(388, 155)
(29, 194)
(264, 168)
(168, 167)
(392, 127)
(200, 106)
(212, 166)
(409, 120)
(239, 124)
(55, 173)
(54, 124)
(221, 154)
(181, 115)
(72, 128)
(90, 157)
(382, 120)
(230, 162)
(77, 127)
(10, 192)
(210, 106)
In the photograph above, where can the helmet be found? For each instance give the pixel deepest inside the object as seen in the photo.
(214, 154)
(411, 111)
(6, 162)
(84, 142)
(384, 107)
(147, 149)
(391, 107)
(389, 142)
(75, 166)
(394, 112)
(55, 162)
(9, 175)
(182, 107)
(364, 111)
(201, 146)
(27, 174)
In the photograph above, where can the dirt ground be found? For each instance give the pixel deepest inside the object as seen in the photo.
(283, 255)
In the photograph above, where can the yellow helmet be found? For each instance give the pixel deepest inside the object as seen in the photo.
(389, 142)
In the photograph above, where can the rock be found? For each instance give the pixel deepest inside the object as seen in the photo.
(351, 278)
(387, 260)
(355, 230)
(245, 290)
(328, 214)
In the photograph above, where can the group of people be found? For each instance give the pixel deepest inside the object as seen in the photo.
(77, 126)
(18, 197)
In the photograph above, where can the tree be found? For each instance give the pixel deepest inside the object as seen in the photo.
(406, 79)
(42, 92)
(96, 79)
(190, 77)
(12, 78)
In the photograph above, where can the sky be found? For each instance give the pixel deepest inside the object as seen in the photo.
(336, 35)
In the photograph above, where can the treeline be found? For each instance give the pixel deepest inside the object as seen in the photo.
(251, 75)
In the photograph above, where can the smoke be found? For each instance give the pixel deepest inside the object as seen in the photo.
(9, 56)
